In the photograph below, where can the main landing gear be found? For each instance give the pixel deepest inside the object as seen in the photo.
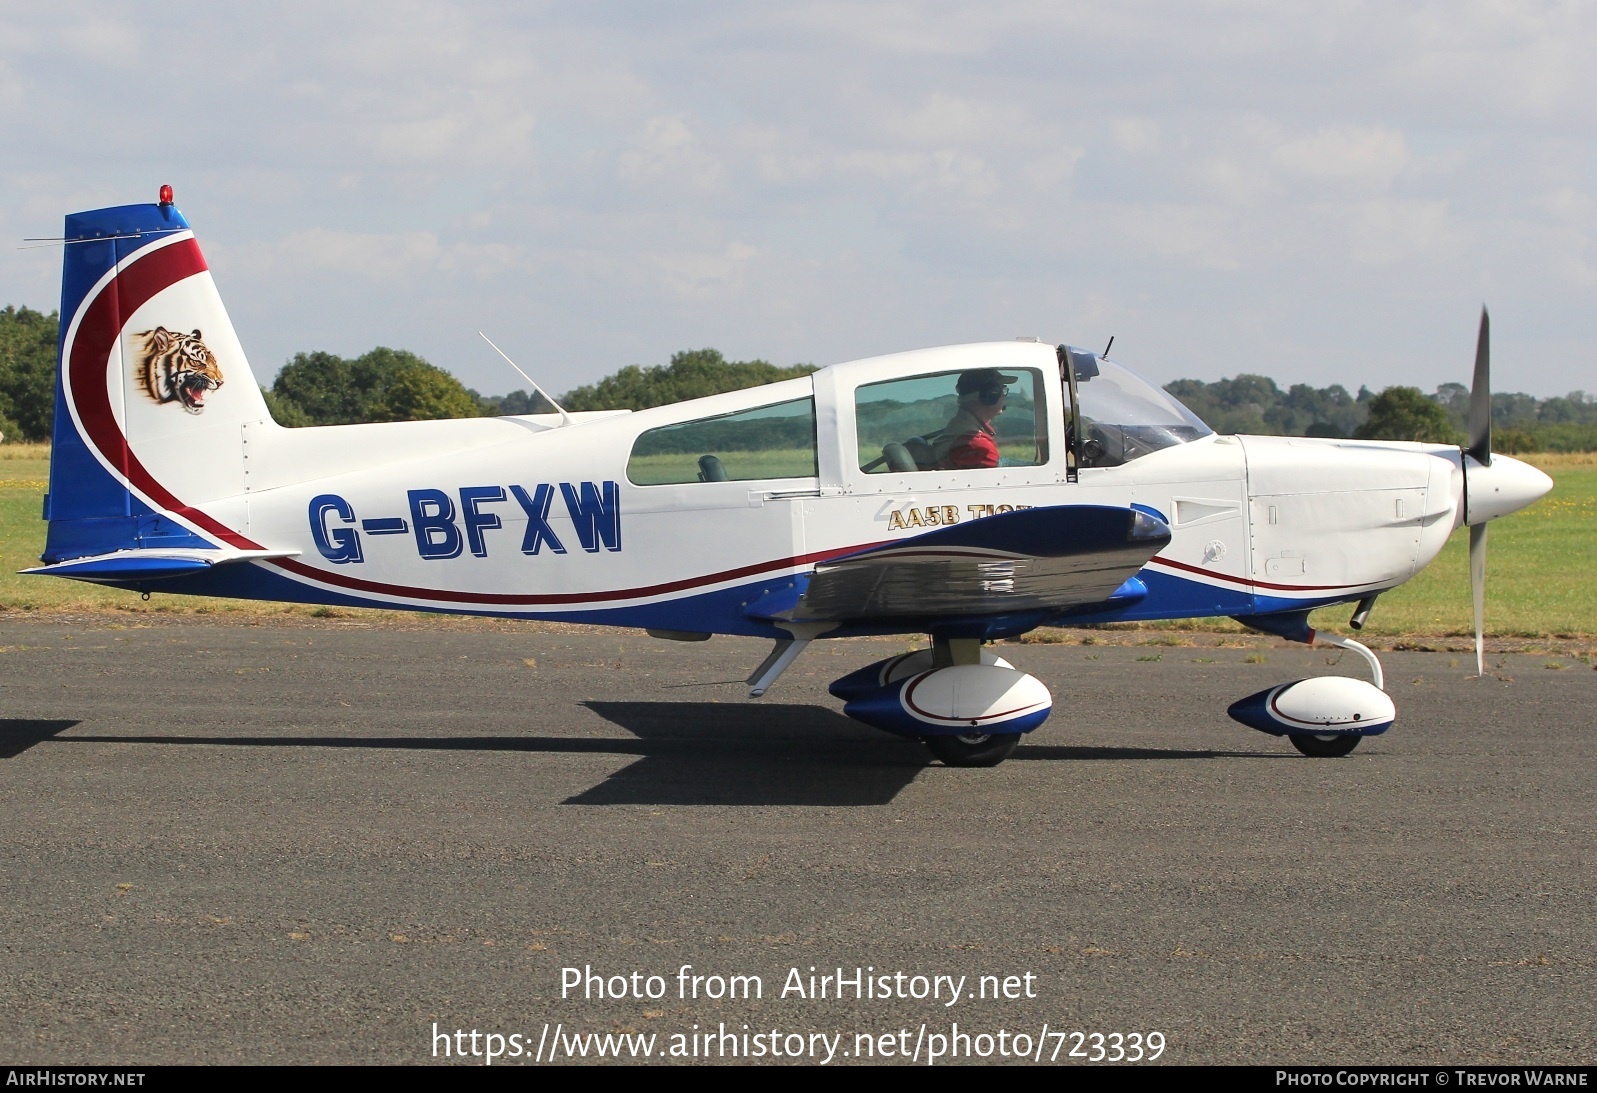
(967, 704)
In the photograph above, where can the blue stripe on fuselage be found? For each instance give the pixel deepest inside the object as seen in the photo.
(722, 611)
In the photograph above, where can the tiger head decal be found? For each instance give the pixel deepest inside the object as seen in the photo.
(178, 368)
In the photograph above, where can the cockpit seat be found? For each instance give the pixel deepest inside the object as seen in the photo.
(711, 469)
(898, 457)
(921, 451)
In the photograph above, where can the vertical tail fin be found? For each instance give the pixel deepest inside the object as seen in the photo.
(153, 392)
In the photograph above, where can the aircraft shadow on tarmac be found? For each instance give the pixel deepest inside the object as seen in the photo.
(17, 735)
(689, 753)
(726, 753)
(713, 753)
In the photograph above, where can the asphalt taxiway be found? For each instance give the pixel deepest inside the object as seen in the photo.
(296, 844)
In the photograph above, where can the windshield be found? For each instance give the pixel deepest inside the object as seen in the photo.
(1126, 416)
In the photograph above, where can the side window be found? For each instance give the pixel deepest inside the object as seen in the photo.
(949, 421)
(767, 442)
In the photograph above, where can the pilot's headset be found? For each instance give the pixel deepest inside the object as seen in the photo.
(987, 384)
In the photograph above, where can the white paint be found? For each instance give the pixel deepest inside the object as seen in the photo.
(1330, 702)
(975, 695)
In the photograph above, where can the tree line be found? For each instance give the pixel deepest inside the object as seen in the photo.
(397, 385)
(382, 385)
(1255, 405)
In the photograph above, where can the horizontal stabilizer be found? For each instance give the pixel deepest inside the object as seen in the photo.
(1042, 558)
(122, 566)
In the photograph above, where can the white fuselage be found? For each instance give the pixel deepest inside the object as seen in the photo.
(1258, 523)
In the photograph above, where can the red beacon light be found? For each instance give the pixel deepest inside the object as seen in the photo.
(166, 195)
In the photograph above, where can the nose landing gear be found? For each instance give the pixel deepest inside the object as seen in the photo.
(1324, 746)
(1324, 717)
(973, 749)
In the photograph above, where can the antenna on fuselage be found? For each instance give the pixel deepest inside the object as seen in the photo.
(565, 418)
(1111, 345)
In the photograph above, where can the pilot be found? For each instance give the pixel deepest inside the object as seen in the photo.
(968, 439)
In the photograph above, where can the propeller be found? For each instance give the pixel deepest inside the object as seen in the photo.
(1480, 450)
(1493, 487)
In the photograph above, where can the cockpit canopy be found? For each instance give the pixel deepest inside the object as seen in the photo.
(1123, 415)
(957, 410)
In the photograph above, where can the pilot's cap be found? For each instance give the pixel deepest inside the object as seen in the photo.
(982, 379)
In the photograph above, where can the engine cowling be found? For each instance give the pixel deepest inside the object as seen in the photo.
(1320, 706)
(958, 700)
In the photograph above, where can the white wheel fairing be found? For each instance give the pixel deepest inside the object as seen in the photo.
(973, 696)
(910, 664)
(1326, 705)
(956, 701)
(895, 669)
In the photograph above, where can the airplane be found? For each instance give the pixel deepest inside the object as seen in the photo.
(968, 493)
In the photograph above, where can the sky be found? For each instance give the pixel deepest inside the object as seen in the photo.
(1319, 192)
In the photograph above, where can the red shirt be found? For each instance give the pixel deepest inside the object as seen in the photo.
(977, 448)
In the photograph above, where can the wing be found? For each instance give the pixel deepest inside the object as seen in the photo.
(1035, 559)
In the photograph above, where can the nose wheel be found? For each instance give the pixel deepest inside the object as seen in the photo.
(973, 749)
(1303, 710)
(1326, 745)
(1336, 745)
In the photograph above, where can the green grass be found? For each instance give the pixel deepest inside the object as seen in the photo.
(1541, 566)
(663, 468)
(24, 476)
(1541, 570)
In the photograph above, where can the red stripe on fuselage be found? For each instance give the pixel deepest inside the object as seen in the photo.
(1247, 583)
(514, 599)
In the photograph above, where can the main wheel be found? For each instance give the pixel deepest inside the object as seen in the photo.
(1327, 746)
(974, 749)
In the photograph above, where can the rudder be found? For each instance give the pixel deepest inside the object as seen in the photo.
(153, 392)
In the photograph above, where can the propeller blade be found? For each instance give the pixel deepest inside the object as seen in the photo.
(1477, 586)
(1480, 398)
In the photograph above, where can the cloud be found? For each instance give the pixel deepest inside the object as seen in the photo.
(1384, 230)
(898, 28)
(379, 257)
(948, 171)
(1205, 237)
(665, 151)
(10, 88)
(103, 42)
(1500, 61)
(480, 132)
(910, 171)
(942, 120)
(1137, 136)
(701, 275)
(1366, 157)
